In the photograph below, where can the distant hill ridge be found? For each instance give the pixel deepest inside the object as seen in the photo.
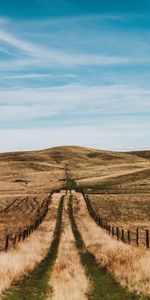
(68, 152)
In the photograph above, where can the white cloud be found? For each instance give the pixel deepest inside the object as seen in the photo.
(111, 107)
(106, 98)
(19, 113)
(18, 43)
(27, 76)
(80, 100)
(48, 57)
(40, 75)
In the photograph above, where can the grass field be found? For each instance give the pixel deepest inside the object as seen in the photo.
(127, 211)
(26, 180)
(24, 209)
(119, 190)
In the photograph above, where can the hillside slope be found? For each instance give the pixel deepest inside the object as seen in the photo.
(46, 169)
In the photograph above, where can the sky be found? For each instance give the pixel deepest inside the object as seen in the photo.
(74, 72)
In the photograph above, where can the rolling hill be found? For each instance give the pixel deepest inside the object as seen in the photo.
(47, 169)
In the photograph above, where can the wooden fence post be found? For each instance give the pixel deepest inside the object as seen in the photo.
(137, 236)
(129, 236)
(35, 224)
(147, 238)
(14, 241)
(27, 231)
(112, 230)
(99, 221)
(31, 226)
(19, 237)
(7, 242)
(106, 226)
(24, 234)
(122, 235)
(117, 233)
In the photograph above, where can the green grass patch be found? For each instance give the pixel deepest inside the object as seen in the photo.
(97, 188)
(104, 286)
(35, 286)
(71, 184)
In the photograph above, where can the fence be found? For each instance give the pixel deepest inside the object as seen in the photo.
(115, 231)
(24, 233)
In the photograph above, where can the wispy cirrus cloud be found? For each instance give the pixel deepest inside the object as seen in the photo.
(63, 77)
(113, 100)
(17, 43)
(40, 76)
(27, 76)
(35, 55)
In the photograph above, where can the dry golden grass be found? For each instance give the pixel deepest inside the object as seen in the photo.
(116, 171)
(112, 171)
(28, 178)
(68, 278)
(124, 210)
(130, 265)
(40, 170)
(25, 173)
(23, 208)
(17, 263)
(28, 174)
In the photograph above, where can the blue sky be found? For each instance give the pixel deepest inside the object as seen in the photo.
(74, 73)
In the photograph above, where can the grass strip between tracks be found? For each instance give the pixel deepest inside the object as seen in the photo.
(104, 285)
(36, 285)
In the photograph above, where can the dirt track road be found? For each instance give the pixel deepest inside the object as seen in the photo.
(72, 268)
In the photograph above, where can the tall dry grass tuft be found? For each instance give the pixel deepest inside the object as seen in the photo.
(68, 277)
(19, 262)
(130, 265)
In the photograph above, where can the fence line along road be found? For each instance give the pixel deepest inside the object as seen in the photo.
(116, 231)
(24, 233)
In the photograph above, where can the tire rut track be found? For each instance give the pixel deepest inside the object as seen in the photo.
(68, 278)
(35, 286)
(104, 286)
